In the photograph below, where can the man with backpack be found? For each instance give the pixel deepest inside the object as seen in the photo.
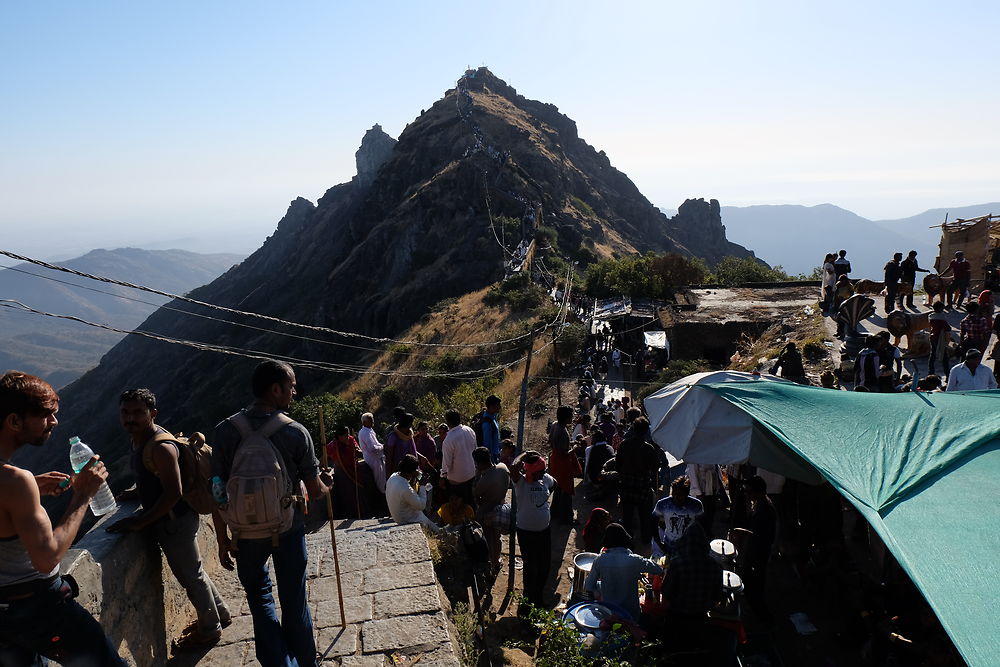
(263, 457)
(156, 461)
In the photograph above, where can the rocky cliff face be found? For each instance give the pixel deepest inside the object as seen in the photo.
(422, 221)
(698, 224)
(376, 147)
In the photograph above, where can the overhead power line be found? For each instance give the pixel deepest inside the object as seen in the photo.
(243, 324)
(258, 354)
(269, 318)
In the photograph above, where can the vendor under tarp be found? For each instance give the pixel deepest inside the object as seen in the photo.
(924, 470)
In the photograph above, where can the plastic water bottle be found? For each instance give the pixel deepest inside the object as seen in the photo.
(103, 501)
(219, 492)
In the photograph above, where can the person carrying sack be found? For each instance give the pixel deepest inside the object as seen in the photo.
(263, 457)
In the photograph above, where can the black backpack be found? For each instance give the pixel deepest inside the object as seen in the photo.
(475, 543)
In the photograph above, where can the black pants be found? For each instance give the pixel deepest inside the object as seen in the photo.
(755, 583)
(562, 506)
(641, 508)
(53, 625)
(942, 343)
(891, 290)
(956, 288)
(536, 553)
(707, 519)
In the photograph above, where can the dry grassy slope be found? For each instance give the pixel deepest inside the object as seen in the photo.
(468, 320)
(805, 330)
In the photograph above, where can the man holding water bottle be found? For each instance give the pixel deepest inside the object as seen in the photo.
(38, 613)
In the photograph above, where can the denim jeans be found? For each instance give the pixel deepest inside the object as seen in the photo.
(289, 643)
(51, 625)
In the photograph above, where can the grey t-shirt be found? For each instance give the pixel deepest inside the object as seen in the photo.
(533, 502)
(292, 441)
(491, 487)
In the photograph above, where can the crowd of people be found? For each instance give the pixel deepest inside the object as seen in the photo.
(654, 523)
(952, 365)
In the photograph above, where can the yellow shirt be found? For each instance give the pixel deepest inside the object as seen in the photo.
(456, 518)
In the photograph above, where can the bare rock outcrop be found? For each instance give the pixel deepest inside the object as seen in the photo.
(376, 147)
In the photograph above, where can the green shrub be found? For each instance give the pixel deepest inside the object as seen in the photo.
(336, 412)
(465, 627)
(582, 206)
(389, 397)
(517, 293)
(429, 407)
(397, 352)
(559, 644)
(738, 270)
(448, 362)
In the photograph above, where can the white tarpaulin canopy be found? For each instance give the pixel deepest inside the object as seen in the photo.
(702, 427)
(657, 339)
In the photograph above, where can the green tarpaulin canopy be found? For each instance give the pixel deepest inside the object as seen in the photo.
(924, 469)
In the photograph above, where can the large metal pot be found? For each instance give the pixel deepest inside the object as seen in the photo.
(582, 564)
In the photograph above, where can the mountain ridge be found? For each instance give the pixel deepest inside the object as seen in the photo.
(798, 236)
(54, 348)
(424, 220)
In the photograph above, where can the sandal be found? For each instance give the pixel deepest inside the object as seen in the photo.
(196, 639)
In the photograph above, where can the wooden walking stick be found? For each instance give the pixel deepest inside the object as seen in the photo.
(329, 512)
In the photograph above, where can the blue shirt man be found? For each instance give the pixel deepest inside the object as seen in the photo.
(489, 428)
(618, 570)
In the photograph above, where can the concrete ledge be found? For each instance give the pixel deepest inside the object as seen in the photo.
(125, 584)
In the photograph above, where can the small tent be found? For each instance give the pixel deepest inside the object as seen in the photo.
(924, 470)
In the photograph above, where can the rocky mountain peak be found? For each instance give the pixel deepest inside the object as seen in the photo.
(436, 215)
(376, 147)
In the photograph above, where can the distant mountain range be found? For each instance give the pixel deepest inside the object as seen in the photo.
(62, 350)
(797, 237)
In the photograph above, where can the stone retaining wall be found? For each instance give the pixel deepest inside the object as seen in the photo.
(392, 602)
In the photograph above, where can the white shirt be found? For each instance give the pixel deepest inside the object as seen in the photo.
(961, 378)
(457, 465)
(829, 275)
(372, 452)
(705, 479)
(405, 504)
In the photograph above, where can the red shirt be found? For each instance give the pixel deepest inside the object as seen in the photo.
(961, 270)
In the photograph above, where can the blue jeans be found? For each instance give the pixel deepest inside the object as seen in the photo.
(52, 625)
(289, 643)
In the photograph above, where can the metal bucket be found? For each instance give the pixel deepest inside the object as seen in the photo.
(724, 553)
(582, 563)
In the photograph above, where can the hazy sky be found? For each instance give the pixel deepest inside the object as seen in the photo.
(193, 124)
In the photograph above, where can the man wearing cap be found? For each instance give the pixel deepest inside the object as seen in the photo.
(971, 375)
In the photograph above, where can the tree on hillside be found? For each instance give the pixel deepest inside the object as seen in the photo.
(738, 270)
(649, 275)
(677, 270)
